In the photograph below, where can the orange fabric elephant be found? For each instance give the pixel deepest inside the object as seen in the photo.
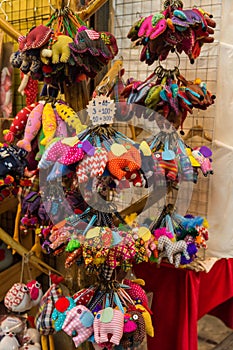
(130, 160)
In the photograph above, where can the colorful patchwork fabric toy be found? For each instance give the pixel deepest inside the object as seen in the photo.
(184, 30)
(202, 155)
(35, 291)
(167, 168)
(172, 250)
(134, 329)
(62, 306)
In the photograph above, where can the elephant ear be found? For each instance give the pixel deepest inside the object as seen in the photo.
(107, 315)
(87, 319)
(118, 149)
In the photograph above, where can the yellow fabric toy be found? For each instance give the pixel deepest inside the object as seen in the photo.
(49, 124)
(147, 318)
(60, 49)
(70, 117)
(129, 219)
(193, 161)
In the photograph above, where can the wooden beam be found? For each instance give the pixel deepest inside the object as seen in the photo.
(226, 344)
(9, 29)
(90, 9)
(34, 260)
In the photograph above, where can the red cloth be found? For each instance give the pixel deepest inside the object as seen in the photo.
(181, 297)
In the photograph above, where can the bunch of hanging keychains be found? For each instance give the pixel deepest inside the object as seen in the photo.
(170, 94)
(178, 237)
(64, 50)
(173, 28)
(174, 160)
(114, 312)
(109, 314)
(166, 90)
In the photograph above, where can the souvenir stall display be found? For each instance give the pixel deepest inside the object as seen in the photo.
(67, 172)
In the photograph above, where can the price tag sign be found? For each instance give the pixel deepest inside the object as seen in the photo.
(101, 110)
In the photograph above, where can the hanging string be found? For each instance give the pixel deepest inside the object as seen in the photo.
(22, 269)
(25, 261)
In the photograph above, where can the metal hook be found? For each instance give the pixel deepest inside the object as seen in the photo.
(160, 71)
(173, 4)
(3, 11)
(51, 6)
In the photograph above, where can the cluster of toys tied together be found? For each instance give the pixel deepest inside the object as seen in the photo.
(84, 162)
(166, 90)
(64, 51)
(98, 156)
(185, 30)
(92, 162)
(113, 315)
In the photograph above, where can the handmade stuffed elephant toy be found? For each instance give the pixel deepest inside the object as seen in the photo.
(60, 49)
(167, 168)
(62, 306)
(107, 322)
(92, 166)
(172, 250)
(90, 41)
(79, 324)
(122, 160)
(201, 155)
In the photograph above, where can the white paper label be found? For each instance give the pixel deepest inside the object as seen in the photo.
(101, 110)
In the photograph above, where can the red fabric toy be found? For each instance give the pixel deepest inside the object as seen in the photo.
(18, 125)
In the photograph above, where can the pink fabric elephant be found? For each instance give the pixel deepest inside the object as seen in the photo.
(79, 321)
(108, 321)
